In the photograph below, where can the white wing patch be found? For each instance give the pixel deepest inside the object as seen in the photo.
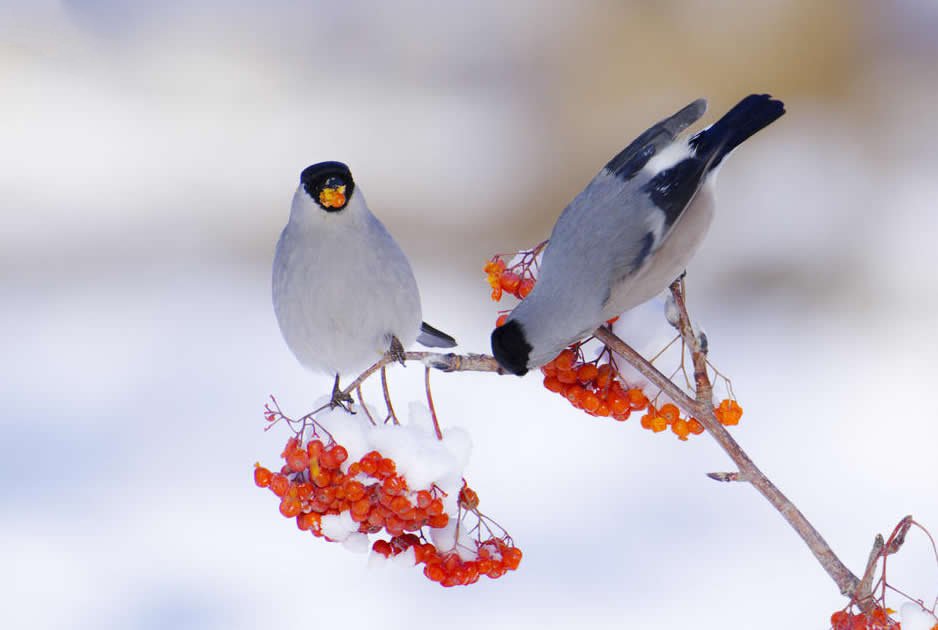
(669, 156)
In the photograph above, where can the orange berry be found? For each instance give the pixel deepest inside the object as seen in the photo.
(575, 394)
(289, 506)
(669, 412)
(423, 499)
(590, 402)
(261, 476)
(603, 376)
(565, 359)
(496, 294)
(549, 369)
(279, 484)
(361, 507)
(386, 467)
(399, 505)
(322, 479)
(618, 403)
(468, 498)
(586, 373)
(525, 288)
(304, 491)
(567, 377)
(509, 281)
(553, 384)
(658, 424)
(623, 416)
(637, 399)
(646, 420)
(297, 459)
(383, 547)
(393, 486)
(680, 428)
(314, 449)
(501, 320)
(438, 520)
(603, 410)
(434, 572)
(729, 412)
(694, 426)
(435, 507)
(511, 557)
(304, 521)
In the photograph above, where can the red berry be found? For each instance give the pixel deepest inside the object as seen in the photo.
(261, 476)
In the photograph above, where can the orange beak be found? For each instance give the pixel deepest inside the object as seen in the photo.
(332, 197)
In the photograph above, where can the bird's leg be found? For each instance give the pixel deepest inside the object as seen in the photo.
(396, 351)
(339, 398)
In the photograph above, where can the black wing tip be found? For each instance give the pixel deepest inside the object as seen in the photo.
(510, 347)
(434, 337)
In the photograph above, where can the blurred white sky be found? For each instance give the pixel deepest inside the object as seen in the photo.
(148, 156)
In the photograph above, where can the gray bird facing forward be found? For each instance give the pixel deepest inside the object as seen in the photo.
(343, 291)
(628, 234)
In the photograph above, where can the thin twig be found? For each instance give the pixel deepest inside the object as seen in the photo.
(436, 423)
(361, 401)
(387, 395)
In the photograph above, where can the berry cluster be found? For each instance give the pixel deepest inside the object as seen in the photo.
(517, 279)
(493, 558)
(310, 485)
(876, 619)
(597, 390)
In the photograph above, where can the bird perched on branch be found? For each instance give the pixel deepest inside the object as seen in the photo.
(343, 291)
(629, 233)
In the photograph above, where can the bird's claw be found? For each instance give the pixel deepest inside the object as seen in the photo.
(340, 398)
(396, 351)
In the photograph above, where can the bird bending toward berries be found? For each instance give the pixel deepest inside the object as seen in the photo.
(629, 233)
(343, 291)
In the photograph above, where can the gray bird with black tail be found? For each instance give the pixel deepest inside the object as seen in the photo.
(629, 234)
(343, 291)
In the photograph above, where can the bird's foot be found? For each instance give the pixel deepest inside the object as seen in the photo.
(340, 398)
(396, 351)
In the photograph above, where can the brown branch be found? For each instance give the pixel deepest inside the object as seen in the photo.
(702, 409)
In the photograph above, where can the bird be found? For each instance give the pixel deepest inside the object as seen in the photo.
(343, 291)
(629, 234)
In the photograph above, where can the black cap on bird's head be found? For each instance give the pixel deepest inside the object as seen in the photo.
(329, 184)
(510, 347)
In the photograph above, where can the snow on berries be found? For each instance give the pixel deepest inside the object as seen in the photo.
(345, 480)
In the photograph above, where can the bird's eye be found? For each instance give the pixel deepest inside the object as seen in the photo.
(332, 194)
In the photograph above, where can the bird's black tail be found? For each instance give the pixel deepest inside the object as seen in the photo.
(434, 338)
(751, 114)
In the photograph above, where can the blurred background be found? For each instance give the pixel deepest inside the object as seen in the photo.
(149, 154)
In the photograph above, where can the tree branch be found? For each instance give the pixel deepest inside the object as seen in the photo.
(702, 409)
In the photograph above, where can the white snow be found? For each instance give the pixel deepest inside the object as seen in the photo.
(338, 527)
(914, 617)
